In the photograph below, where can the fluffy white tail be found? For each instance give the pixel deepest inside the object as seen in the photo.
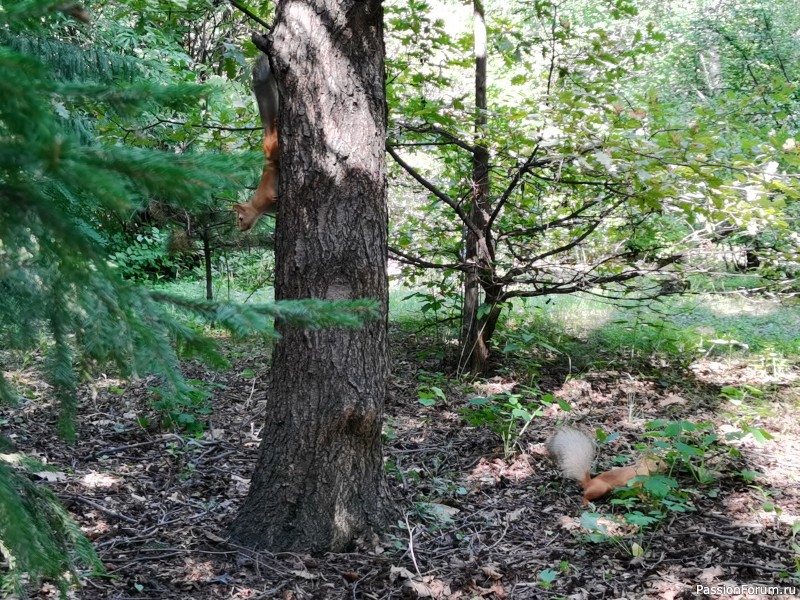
(573, 451)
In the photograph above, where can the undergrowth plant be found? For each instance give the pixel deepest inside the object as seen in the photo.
(145, 255)
(188, 412)
(430, 391)
(432, 386)
(508, 414)
(696, 449)
(613, 530)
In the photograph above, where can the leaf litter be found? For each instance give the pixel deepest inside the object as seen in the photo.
(476, 524)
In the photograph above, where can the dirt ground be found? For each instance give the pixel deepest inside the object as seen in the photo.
(156, 505)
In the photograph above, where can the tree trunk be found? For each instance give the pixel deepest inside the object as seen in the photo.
(479, 252)
(207, 262)
(318, 483)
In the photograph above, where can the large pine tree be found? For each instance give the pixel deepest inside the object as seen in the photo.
(59, 291)
(318, 484)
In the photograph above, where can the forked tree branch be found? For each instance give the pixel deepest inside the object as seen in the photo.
(418, 262)
(435, 191)
(439, 131)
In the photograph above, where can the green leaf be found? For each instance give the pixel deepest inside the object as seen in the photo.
(520, 413)
(687, 450)
(548, 576)
(640, 520)
(659, 485)
(480, 401)
(484, 310)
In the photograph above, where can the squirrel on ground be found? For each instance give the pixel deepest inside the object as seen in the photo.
(263, 201)
(573, 451)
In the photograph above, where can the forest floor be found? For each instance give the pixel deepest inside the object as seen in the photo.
(156, 505)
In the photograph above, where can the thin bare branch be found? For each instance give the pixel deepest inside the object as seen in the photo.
(565, 221)
(239, 6)
(408, 259)
(428, 128)
(434, 190)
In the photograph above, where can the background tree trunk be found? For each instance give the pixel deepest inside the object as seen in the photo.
(319, 481)
(479, 252)
(208, 266)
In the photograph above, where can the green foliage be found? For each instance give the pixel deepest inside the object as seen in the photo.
(647, 502)
(244, 319)
(608, 529)
(644, 334)
(546, 578)
(145, 256)
(591, 331)
(436, 299)
(603, 175)
(428, 395)
(38, 538)
(188, 412)
(508, 414)
(692, 445)
(432, 387)
(54, 267)
(686, 447)
(254, 271)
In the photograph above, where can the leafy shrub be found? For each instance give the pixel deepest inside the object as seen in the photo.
(145, 255)
(187, 411)
(508, 415)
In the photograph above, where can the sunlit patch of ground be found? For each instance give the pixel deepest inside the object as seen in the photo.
(736, 372)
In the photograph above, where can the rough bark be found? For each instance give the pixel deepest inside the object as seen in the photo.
(318, 483)
(479, 252)
(207, 263)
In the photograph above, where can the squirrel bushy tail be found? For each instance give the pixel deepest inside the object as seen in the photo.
(266, 90)
(573, 451)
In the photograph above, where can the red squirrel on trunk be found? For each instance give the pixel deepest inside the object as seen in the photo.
(263, 201)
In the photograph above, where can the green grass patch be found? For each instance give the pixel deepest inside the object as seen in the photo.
(592, 332)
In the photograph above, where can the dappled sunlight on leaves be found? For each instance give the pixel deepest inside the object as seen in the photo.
(95, 480)
(737, 372)
(492, 471)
